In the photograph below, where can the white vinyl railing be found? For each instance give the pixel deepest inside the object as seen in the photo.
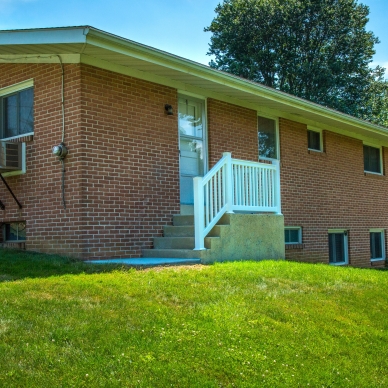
(234, 185)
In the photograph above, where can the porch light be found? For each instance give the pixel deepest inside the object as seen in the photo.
(168, 109)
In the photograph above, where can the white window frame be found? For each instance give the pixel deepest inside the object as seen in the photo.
(382, 232)
(3, 93)
(276, 119)
(299, 229)
(312, 129)
(345, 233)
(380, 148)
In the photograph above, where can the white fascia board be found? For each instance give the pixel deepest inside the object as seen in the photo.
(44, 36)
(43, 58)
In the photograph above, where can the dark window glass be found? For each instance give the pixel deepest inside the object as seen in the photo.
(267, 138)
(18, 111)
(314, 140)
(337, 248)
(372, 159)
(15, 231)
(11, 116)
(26, 111)
(376, 245)
(291, 236)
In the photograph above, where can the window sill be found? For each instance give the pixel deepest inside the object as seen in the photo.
(339, 264)
(375, 260)
(316, 152)
(293, 246)
(20, 139)
(374, 175)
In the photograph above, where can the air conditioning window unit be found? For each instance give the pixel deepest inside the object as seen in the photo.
(10, 156)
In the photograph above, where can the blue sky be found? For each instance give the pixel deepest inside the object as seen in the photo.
(175, 26)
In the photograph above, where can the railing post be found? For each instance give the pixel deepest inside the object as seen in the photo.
(229, 182)
(199, 214)
(276, 163)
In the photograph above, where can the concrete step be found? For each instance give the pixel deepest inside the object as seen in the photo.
(171, 253)
(224, 220)
(174, 242)
(182, 220)
(216, 231)
(178, 231)
(179, 242)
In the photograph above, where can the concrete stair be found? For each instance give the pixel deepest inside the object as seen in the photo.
(178, 240)
(235, 237)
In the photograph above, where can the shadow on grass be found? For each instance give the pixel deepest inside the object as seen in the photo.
(16, 265)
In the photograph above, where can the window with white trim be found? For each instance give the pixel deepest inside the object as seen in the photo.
(338, 247)
(293, 235)
(372, 159)
(14, 231)
(377, 244)
(268, 138)
(16, 121)
(314, 140)
(17, 114)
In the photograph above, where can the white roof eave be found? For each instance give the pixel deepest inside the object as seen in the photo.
(100, 43)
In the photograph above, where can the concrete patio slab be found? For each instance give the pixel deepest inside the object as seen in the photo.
(147, 262)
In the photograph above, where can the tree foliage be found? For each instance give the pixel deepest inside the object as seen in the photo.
(315, 49)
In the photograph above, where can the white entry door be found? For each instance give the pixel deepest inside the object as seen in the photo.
(191, 126)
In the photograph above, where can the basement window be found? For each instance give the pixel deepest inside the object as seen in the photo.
(377, 244)
(338, 247)
(14, 231)
(293, 235)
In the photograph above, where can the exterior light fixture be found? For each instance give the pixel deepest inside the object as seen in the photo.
(168, 109)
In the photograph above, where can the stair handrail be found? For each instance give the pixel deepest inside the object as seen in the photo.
(234, 185)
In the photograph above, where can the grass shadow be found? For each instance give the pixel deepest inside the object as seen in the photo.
(16, 265)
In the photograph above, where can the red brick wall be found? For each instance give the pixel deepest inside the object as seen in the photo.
(122, 171)
(49, 227)
(330, 190)
(231, 129)
(130, 168)
(122, 181)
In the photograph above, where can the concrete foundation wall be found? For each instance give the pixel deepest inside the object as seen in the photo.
(247, 237)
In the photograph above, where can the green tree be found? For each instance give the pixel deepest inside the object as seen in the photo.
(315, 49)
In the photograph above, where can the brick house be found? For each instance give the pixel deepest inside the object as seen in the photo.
(278, 176)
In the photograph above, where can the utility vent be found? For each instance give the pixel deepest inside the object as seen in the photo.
(10, 156)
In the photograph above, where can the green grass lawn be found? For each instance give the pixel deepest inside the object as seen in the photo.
(246, 324)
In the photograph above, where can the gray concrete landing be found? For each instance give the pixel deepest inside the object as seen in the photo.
(147, 261)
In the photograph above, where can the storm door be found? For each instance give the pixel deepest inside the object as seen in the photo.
(192, 148)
